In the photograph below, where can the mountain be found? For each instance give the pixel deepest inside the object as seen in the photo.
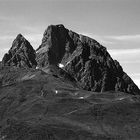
(21, 54)
(68, 89)
(84, 59)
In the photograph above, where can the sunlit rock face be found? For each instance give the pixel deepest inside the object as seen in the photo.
(21, 54)
(84, 59)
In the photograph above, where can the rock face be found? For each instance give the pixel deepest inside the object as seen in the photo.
(21, 54)
(54, 47)
(84, 59)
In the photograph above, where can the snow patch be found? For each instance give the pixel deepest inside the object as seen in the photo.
(56, 91)
(60, 65)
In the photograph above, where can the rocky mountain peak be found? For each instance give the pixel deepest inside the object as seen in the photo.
(52, 48)
(19, 36)
(83, 58)
(21, 54)
(21, 42)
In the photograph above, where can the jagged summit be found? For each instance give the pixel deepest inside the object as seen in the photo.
(59, 43)
(19, 36)
(53, 42)
(84, 59)
(21, 54)
(21, 42)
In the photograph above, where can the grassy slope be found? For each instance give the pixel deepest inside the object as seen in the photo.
(35, 105)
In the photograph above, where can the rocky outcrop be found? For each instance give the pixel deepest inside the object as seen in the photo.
(84, 59)
(21, 54)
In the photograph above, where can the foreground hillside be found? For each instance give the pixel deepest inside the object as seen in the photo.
(43, 105)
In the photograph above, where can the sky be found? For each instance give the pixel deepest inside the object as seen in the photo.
(113, 23)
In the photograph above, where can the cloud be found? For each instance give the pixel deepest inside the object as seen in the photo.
(4, 18)
(8, 19)
(34, 37)
(6, 37)
(130, 62)
(101, 39)
(125, 51)
(114, 40)
(134, 38)
(135, 74)
(4, 50)
(126, 56)
(6, 40)
(31, 37)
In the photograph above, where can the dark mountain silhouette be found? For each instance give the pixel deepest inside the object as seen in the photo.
(41, 101)
(84, 59)
(21, 54)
